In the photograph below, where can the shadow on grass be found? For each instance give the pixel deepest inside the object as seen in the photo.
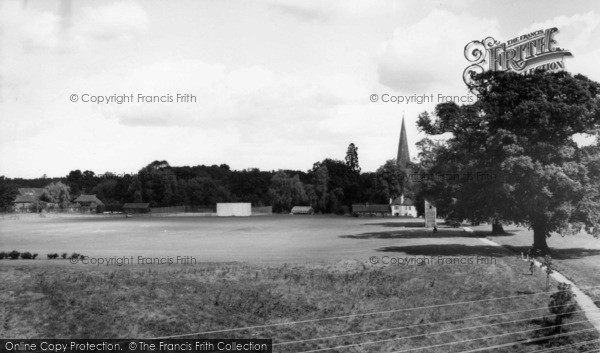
(449, 250)
(398, 224)
(560, 254)
(419, 233)
(484, 250)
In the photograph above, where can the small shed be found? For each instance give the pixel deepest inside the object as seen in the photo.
(136, 207)
(302, 210)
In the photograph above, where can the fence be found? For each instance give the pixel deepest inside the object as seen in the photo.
(30, 216)
(262, 210)
(182, 209)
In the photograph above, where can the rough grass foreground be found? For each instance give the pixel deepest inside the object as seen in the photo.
(44, 299)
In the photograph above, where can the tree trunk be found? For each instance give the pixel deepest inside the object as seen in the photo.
(539, 237)
(497, 228)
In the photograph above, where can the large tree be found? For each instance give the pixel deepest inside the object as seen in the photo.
(352, 158)
(58, 193)
(515, 155)
(390, 181)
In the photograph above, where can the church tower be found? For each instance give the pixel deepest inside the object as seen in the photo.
(403, 156)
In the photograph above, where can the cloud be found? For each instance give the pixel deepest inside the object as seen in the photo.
(429, 54)
(252, 100)
(63, 30)
(120, 21)
(576, 34)
(325, 11)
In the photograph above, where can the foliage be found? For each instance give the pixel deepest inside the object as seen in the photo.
(515, 154)
(8, 192)
(562, 305)
(389, 183)
(57, 193)
(286, 192)
(352, 158)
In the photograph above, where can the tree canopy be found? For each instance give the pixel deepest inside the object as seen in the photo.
(512, 154)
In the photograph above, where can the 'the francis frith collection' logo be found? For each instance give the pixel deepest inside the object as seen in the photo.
(523, 54)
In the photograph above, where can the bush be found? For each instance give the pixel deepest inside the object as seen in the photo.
(64, 255)
(74, 256)
(34, 256)
(3, 255)
(26, 255)
(562, 305)
(52, 256)
(13, 255)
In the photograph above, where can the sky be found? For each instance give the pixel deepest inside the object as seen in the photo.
(277, 84)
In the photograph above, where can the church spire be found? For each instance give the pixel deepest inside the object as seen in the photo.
(403, 156)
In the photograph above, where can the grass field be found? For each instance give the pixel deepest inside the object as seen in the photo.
(275, 270)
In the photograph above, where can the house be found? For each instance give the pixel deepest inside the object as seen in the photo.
(404, 207)
(35, 192)
(136, 207)
(359, 209)
(89, 203)
(302, 210)
(89, 200)
(23, 203)
(26, 198)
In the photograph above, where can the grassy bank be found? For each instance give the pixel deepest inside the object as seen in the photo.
(56, 300)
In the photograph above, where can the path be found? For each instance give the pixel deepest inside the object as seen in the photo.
(592, 312)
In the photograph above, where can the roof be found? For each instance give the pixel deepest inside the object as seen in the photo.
(25, 199)
(89, 198)
(136, 205)
(406, 202)
(36, 192)
(430, 202)
(302, 209)
(370, 208)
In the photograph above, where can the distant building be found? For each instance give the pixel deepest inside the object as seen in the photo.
(23, 203)
(35, 192)
(226, 209)
(402, 206)
(302, 210)
(89, 200)
(89, 203)
(366, 209)
(136, 207)
(26, 198)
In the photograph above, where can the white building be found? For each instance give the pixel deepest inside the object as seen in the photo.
(403, 207)
(234, 209)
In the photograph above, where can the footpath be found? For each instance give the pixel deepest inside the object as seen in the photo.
(592, 312)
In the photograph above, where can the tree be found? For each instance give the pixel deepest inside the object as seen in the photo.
(58, 193)
(514, 148)
(8, 193)
(352, 158)
(285, 192)
(321, 191)
(389, 182)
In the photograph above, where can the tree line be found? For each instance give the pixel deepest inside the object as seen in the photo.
(330, 186)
